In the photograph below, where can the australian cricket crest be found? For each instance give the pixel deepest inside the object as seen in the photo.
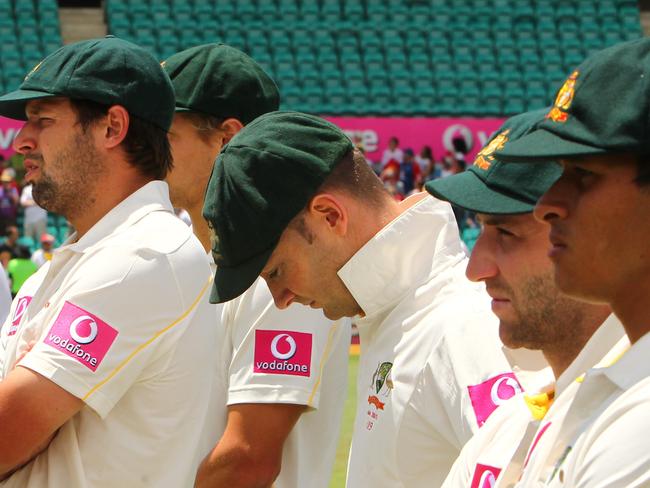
(559, 112)
(380, 388)
(485, 157)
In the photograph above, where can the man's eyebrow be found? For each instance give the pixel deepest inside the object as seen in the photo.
(488, 219)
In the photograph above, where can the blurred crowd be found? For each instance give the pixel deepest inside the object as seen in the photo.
(25, 244)
(404, 172)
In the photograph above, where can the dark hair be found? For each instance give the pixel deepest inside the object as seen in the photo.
(354, 176)
(206, 125)
(146, 145)
(426, 152)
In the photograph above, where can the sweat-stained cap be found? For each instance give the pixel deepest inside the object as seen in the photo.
(221, 81)
(261, 180)
(109, 71)
(493, 187)
(602, 107)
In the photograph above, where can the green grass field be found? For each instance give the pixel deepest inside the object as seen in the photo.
(341, 460)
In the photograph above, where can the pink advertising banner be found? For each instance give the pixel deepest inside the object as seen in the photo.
(438, 133)
(8, 130)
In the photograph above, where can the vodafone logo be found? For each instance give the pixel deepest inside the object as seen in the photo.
(282, 352)
(21, 308)
(487, 480)
(290, 341)
(512, 387)
(81, 335)
(485, 476)
(83, 329)
(486, 397)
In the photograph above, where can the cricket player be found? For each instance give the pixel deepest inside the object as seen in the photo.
(291, 200)
(510, 258)
(597, 211)
(275, 424)
(105, 359)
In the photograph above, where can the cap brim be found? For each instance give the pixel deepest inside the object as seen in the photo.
(232, 281)
(468, 191)
(12, 105)
(541, 146)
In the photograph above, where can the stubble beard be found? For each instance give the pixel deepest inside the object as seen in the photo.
(545, 316)
(80, 167)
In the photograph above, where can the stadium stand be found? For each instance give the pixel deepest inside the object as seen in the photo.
(29, 30)
(393, 57)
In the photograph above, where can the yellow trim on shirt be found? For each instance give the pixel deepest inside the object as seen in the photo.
(142, 346)
(333, 329)
(539, 404)
(581, 378)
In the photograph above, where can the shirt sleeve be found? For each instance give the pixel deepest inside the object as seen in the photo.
(279, 356)
(116, 323)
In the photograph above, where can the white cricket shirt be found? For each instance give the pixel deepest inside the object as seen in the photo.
(120, 321)
(292, 356)
(602, 436)
(431, 369)
(508, 433)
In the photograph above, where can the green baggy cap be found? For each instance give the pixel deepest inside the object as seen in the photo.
(221, 81)
(261, 180)
(602, 107)
(493, 187)
(109, 71)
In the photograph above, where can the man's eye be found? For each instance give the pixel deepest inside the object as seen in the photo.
(582, 172)
(504, 232)
(273, 274)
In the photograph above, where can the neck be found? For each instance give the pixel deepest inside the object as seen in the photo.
(106, 197)
(200, 226)
(561, 355)
(632, 310)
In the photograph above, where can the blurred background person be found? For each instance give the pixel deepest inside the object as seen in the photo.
(44, 254)
(35, 217)
(20, 268)
(9, 200)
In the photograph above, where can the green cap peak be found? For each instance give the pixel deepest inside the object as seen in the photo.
(261, 180)
(492, 187)
(221, 81)
(109, 71)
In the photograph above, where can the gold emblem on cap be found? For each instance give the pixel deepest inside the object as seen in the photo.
(163, 63)
(563, 100)
(485, 157)
(214, 243)
(34, 70)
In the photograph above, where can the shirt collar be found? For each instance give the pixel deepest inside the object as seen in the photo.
(632, 366)
(152, 197)
(414, 247)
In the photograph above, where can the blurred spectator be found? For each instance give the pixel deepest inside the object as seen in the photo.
(9, 200)
(44, 253)
(425, 161)
(460, 151)
(9, 248)
(5, 296)
(35, 223)
(410, 174)
(20, 268)
(392, 153)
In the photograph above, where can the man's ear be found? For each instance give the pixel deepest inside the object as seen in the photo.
(116, 126)
(329, 210)
(229, 128)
